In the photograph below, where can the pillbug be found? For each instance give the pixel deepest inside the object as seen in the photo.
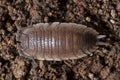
(57, 41)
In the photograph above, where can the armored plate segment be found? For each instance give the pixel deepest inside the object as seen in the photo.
(57, 41)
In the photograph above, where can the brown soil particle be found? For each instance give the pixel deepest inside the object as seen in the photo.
(18, 67)
(101, 15)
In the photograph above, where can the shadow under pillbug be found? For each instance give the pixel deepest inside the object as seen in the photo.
(57, 41)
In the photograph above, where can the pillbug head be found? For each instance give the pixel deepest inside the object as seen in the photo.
(20, 37)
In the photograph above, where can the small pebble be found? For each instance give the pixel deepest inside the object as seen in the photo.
(88, 19)
(112, 21)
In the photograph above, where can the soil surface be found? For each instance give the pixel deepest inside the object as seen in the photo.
(101, 15)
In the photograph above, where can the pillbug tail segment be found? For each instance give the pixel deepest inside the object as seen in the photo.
(101, 36)
(89, 38)
(99, 42)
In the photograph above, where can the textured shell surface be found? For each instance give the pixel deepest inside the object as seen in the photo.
(56, 41)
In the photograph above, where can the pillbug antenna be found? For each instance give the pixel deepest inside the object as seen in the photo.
(20, 29)
(18, 34)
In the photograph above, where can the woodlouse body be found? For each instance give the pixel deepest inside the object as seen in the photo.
(57, 41)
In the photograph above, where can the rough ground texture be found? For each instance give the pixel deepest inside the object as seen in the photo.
(102, 15)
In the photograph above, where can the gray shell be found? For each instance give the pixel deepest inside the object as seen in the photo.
(56, 41)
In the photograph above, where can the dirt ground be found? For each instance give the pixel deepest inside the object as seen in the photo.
(102, 15)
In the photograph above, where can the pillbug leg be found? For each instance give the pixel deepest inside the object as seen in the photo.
(81, 54)
(93, 49)
(84, 51)
(20, 52)
(87, 52)
(34, 64)
(19, 49)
